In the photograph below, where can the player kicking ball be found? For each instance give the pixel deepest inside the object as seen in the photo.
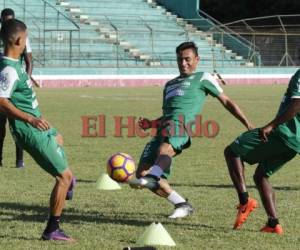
(29, 130)
(271, 147)
(183, 97)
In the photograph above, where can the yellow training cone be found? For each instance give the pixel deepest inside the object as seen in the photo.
(156, 234)
(106, 183)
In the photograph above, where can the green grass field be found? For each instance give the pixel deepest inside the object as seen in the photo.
(116, 219)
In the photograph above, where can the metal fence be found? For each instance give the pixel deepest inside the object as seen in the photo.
(50, 30)
(276, 37)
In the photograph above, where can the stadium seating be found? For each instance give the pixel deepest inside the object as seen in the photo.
(131, 33)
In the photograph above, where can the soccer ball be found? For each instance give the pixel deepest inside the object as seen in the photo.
(120, 167)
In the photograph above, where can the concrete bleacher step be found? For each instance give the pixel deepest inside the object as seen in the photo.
(152, 3)
(92, 22)
(210, 41)
(181, 21)
(125, 44)
(103, 30)
(133, 51)
(72, 9)
(189, 26)
(144, 57)
(82, 17)
(191, 29)
(107, 39)
(153, 63)
(248, 64)
(111, 35)
(199, 32)
(64, 4)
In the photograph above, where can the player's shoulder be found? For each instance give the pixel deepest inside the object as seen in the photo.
(206, 76)
(8, 69)
(8, 74)
(174, 80)
(8, 77)
(295, 80)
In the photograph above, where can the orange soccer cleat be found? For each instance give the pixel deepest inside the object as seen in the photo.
(244, 211)
(277, 229)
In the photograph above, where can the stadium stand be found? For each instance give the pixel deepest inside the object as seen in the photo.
(133, 33)
(134, 40)
(136, 26)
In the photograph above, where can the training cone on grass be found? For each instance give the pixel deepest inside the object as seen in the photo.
(106, 183)
(156, 234)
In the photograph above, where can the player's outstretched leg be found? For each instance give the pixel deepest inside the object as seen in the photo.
(182, 209)
(151, 177)
(57, 201)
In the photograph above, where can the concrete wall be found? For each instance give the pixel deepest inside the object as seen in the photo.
(185, 8)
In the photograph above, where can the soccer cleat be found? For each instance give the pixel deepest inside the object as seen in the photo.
(20, 164)
(244, 211)
(69, 195)
(58, 234)
(277, 229)
(182, 210)
(148, 181)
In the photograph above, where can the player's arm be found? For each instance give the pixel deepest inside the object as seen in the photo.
(145, 123)
(28, 63)
(35, 82)
(213, 88)
(287, 115)
(29, 67)
(235, 110)
(12, 112)
(28, 57)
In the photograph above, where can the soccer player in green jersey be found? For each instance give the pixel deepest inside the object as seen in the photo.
(7, 14)
(29, 129)
(271, 147)
(183, 99)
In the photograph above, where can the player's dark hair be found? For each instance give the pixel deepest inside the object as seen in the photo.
(10, 30)
(7, 12)
(187, 45)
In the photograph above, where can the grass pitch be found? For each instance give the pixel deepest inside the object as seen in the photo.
(115, 219)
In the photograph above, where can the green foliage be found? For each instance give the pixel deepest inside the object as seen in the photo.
(115, 219)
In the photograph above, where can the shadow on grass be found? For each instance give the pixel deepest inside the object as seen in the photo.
(19, 237)
(35, 213)
(227, 186)
(85, 181)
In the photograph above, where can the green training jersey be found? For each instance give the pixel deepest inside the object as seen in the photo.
(290, 130)
(185, 96)
(16, 86)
